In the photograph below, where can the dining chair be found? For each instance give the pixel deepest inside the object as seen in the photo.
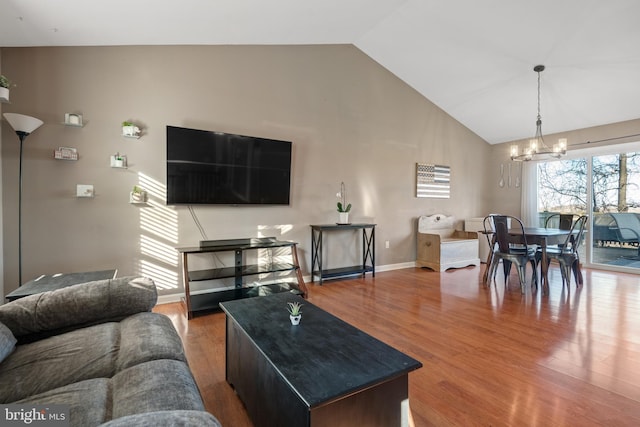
(567, 253)
(561, 221)
(487, 224)
(489, 231)
(558, 220)
(511, 247)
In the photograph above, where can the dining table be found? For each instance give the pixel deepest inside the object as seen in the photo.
(543, 237)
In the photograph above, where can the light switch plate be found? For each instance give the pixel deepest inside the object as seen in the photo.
(84, 190)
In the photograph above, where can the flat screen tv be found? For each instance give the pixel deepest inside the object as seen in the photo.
(215, 168)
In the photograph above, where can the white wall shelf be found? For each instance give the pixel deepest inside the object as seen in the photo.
(73, 120)
(72, 125)
(4, 95)
(138, 198)
(65, 153)
(118, 161)
(131, 130)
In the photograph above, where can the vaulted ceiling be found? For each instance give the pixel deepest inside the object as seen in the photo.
(474, 59)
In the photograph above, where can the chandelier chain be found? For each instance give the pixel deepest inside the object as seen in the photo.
(539, 117)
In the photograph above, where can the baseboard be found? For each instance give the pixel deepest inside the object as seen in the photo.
(171, 298)
(390, 267)
(167, 299)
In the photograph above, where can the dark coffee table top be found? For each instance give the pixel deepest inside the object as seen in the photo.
(52, 282)
(323, 358)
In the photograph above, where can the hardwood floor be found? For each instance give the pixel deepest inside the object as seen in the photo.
(491, 356)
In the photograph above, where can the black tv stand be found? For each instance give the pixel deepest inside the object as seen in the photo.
(205, 289)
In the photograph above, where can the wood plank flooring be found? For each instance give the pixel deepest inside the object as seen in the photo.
(492, 356)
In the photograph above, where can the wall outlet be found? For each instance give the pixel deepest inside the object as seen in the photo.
(386, 244)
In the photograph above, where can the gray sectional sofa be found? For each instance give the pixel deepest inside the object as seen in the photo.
(98, 348)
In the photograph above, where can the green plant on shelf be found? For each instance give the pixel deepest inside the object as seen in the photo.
(5, 82)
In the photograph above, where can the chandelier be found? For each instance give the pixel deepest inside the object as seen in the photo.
(537, 147)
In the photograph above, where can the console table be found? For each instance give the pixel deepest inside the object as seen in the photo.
(368, 251)
(204, 290)
(322, 373)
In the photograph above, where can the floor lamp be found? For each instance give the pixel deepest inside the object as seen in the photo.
(23, 126)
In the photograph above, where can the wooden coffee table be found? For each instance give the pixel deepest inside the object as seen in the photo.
(323, 372)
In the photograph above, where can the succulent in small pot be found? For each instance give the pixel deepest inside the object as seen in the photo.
(138, 195)
(5, 82)
(119, 160)
(5, 85)
(295, 312)
(130, 129)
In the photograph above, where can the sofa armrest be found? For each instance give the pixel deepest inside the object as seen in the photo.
(77, 306)
(166, 418)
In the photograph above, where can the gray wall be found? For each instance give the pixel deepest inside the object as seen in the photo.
(349, 119)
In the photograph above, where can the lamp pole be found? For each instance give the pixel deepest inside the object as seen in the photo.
(22, 136)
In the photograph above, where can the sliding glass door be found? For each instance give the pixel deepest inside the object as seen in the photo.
(604, 184)
(616, 206)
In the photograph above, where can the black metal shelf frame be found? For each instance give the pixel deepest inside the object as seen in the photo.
(368, 251)
(206, 297)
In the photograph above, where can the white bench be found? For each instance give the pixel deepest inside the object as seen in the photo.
(440, 246)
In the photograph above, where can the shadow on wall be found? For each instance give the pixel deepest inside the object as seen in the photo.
(159, 236)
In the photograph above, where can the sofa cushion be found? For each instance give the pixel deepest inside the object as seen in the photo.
(98, 351)
(144, 395)
(59, 360)
(146, 337)
(7, 342)
(159, 385)
(79, 305)
(89, 401)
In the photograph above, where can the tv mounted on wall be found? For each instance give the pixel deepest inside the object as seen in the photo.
(215, 168)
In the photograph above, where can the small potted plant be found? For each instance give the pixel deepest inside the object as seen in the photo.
(119, 161)
(343, 207)
(5, 84)
(130, 129)
(138, 195)
(295, 312)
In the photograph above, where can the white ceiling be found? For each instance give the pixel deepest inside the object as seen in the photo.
(472, 58)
